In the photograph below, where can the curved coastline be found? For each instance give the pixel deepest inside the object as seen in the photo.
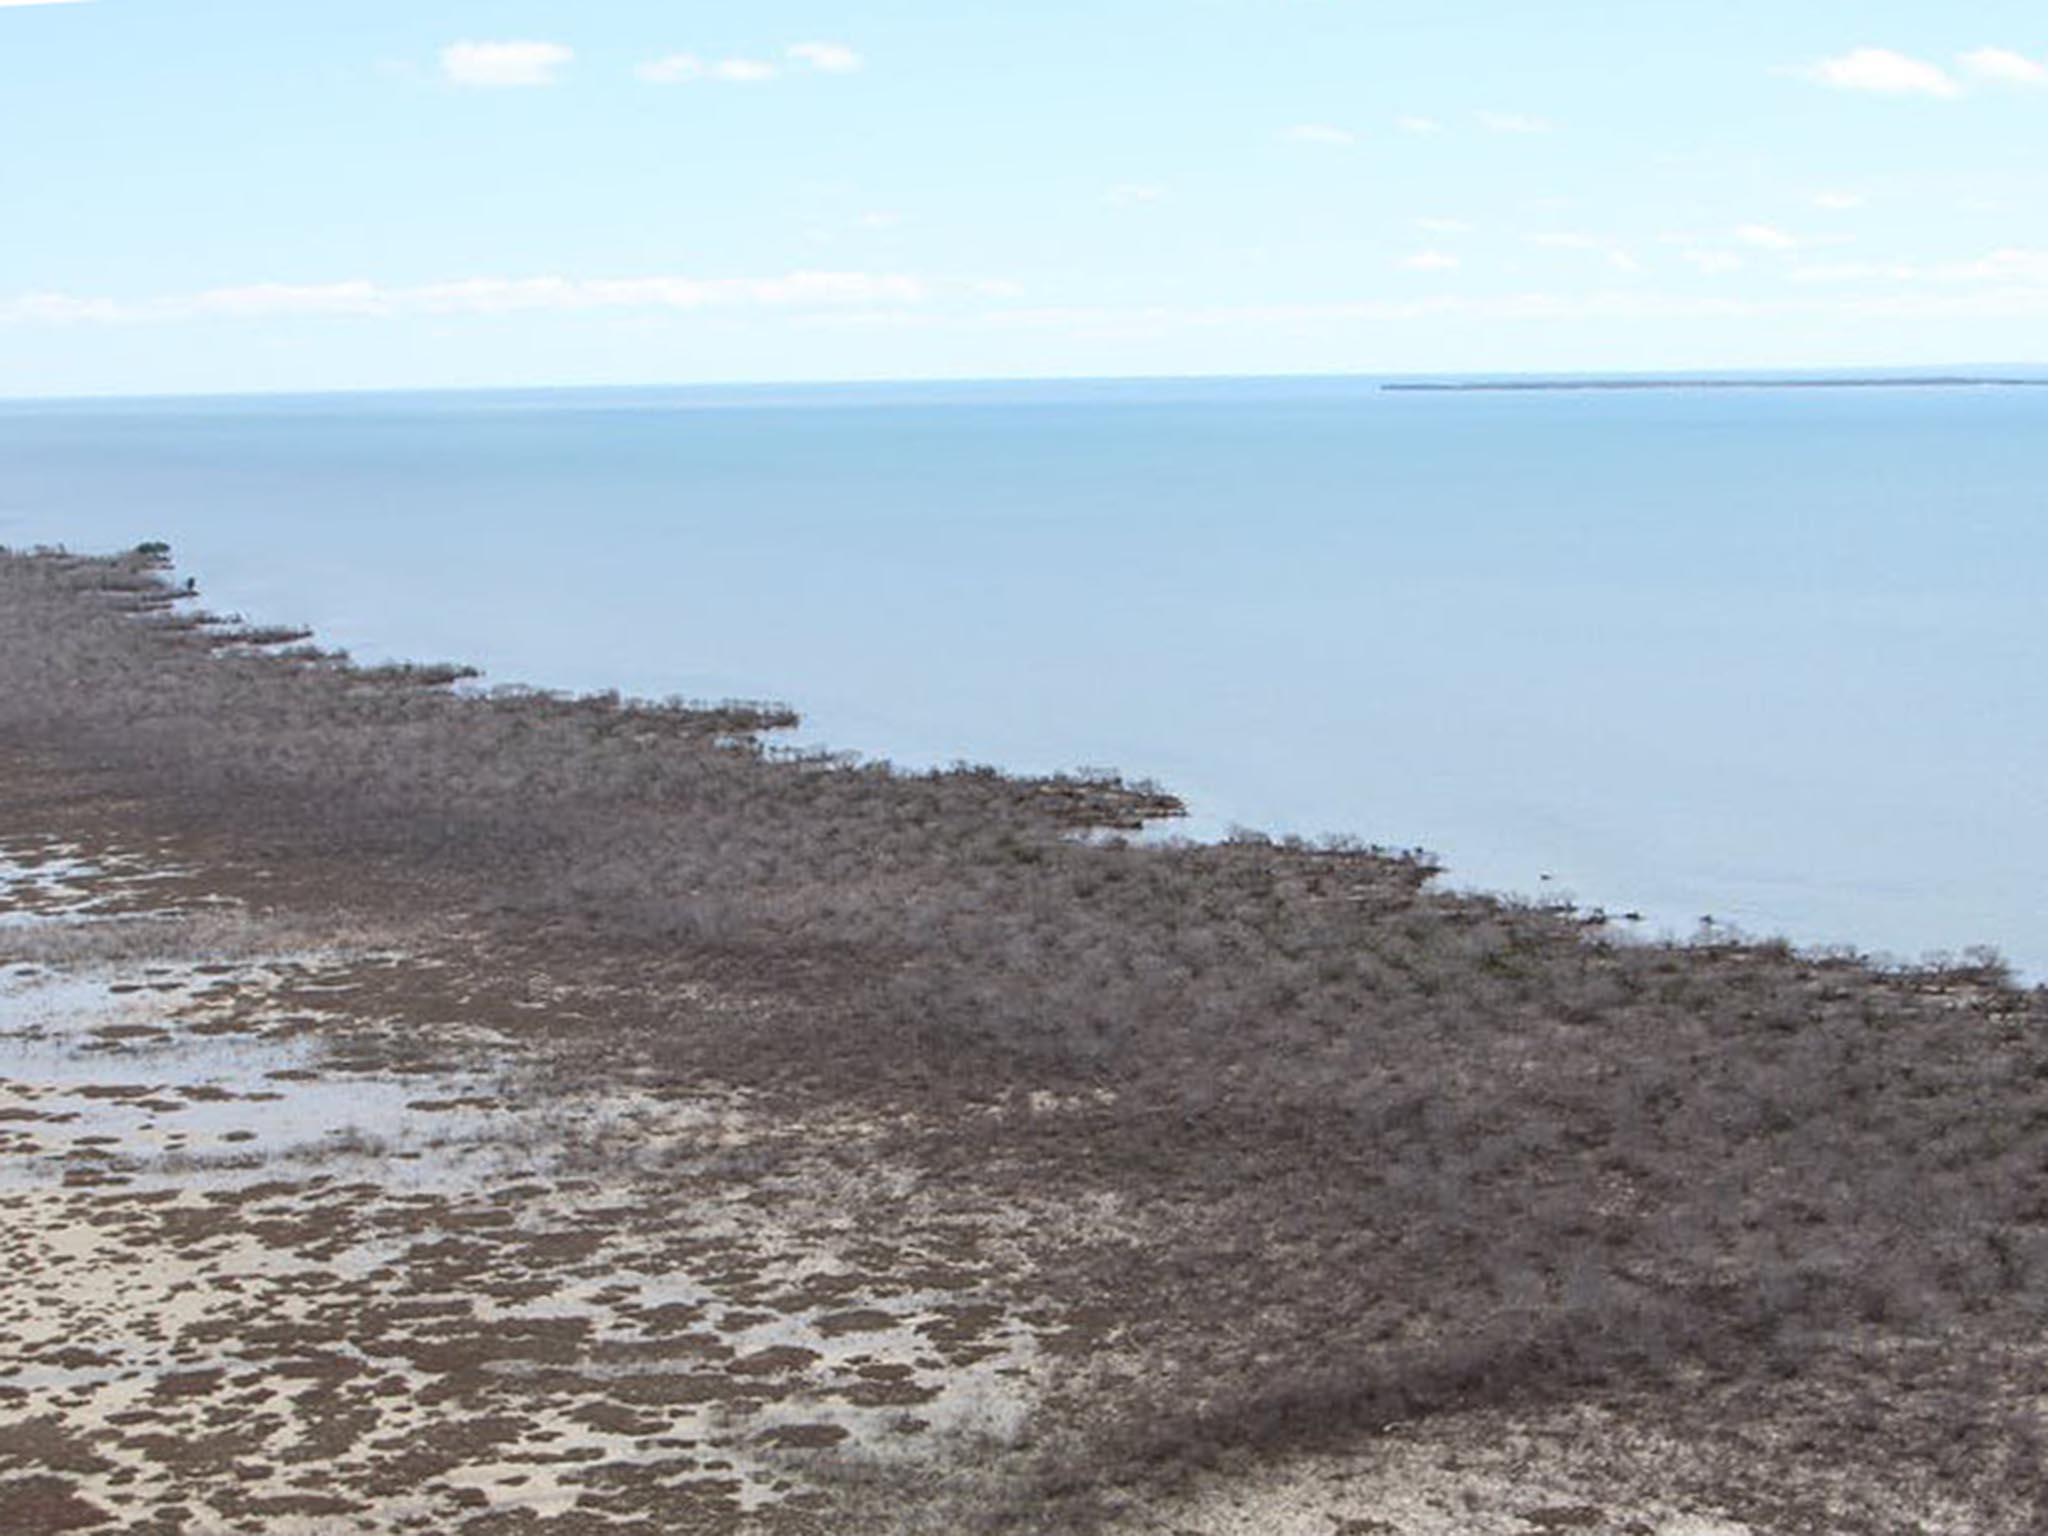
(1266, 1146)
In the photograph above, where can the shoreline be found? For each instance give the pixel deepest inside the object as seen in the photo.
(813, 1097)
(1236, 674)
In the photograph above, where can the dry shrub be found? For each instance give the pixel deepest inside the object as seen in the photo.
(1389, 1151)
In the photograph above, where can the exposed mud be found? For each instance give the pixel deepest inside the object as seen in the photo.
(510, 1113)
(269, 1271)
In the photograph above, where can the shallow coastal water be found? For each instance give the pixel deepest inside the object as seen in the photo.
(1770, 656)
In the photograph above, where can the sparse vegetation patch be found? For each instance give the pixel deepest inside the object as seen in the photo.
(1274, 1152)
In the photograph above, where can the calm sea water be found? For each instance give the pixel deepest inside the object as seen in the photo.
(1775, 657)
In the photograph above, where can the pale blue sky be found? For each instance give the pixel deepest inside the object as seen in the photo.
(246, 195)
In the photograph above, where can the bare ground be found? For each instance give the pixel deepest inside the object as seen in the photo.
(349, 1182)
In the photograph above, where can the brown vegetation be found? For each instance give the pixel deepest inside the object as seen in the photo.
(1393, 1152)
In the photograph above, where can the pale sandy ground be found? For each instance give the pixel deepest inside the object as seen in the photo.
(270, 1263)
(251, 1286)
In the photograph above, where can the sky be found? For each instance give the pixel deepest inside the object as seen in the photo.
(239, 195)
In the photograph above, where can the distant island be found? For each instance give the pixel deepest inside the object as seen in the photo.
(1531, 385)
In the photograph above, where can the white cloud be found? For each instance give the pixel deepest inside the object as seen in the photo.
(504, 64)
(1535, 308)
(1630, 304)
(1921, 304)
(2005, 66)
(1431, 261)
(880, 218)
(1514, 122)
(1856, 272)
(677, 68)
(832, 58)
(1435, 226)
(484, 296)
(58, 309)
(1418, 125)
(1714, 263)
(262, 301)
(674, 69)
(1321, 133)
(1131, 193)
(1883, 72)
(362, 299)
(1839, 202)
(2012, 264)
(1765, 237)
(2015, 268)
(1618, 257)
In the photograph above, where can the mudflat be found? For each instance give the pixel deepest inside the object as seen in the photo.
(426, 1109)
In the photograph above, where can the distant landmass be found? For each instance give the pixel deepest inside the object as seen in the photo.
(1952, 381)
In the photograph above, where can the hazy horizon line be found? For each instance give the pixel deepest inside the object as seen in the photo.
(1979, 373)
